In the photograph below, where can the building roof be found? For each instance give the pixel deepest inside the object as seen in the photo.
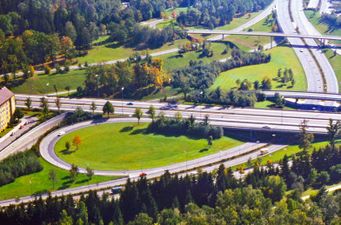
(5, 95)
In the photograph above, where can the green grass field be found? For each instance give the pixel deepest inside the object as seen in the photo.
(174, 61)
(282, 57)
(39, 182)
(238, 21)
(335, 61)
(112, 51)
(289, 151)
(42, 84)
(124, 146)
(251, 42)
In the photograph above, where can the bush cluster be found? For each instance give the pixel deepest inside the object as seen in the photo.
(18, 165)
(186, 127)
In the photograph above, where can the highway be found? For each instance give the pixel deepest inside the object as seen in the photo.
(31, 137)
(306, 28)
(311, 69)
(319, 77)
(256, 119)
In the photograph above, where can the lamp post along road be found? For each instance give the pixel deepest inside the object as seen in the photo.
(122, 89)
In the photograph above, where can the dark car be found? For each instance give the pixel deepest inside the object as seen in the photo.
(130, 103)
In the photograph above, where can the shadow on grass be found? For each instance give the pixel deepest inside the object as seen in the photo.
(139, 131)
(127, 129)
(82, 181)
(204, 150)
(66, 152)
(39, 193)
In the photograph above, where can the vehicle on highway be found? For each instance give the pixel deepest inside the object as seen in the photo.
(61, 133)
(143, 174)
(116, 190)
(130, 103)
(263, 151)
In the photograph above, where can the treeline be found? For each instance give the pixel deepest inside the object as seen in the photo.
(229, 98)
(143, 37)
(17, 165)
(215, 13)
(209, 198)
(135, 78)
(31, 48)
(56, 28)
(188, 127)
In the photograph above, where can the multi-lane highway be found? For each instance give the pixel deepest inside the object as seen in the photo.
(256, 119)
(317, 68)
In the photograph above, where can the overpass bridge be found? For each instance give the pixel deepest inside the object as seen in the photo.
(305, 95)
(264, 34)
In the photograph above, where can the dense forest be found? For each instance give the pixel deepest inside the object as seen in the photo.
(38, 31)
(268, 195)
(215, 13)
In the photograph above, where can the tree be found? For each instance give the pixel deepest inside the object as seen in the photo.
(68, 88)
(67, 146)
(45, 107)
(178, 116)
(152, 112)
(53, 177)
(28, 103)
(138, 114)
(65, 219)
(333, 129)
(305, 138)
(210, 140)
(73, 172)
(70, 31)
(108, 108)
(142, 219)
(93, 107)
(279, 100)
(89, 173)
(58, 103)
(266, 84)
(76, 142)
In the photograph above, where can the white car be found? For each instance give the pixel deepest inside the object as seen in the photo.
(61, 133)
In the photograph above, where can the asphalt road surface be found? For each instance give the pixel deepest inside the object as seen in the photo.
(257, 119)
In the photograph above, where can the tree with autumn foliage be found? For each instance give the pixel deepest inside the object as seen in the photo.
(76, 142)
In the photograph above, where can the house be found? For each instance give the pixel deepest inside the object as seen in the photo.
(7, 107)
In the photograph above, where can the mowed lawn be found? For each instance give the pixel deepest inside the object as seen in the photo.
(174, 61)
(251, 42)
(43, 84)
(281, 57)
(289, 151)
(109, 51)
(335, 61)
(238, 21)
(39, 182)
(124, 146)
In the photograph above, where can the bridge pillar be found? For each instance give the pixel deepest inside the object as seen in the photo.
(271, 40)
(223, 37)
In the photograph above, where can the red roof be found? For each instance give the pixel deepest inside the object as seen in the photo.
(5, 95)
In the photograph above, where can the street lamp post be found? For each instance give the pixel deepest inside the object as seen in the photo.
(122, 89)
(96, 75)
(201, 95)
